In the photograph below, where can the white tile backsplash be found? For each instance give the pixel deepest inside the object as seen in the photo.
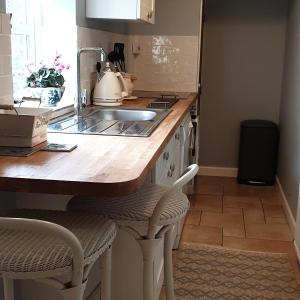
(5, 44)
(6, 87)
(5, 65)
(165, 63)
(5, 24)
(6, 82)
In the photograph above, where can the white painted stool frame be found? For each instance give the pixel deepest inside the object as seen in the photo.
(73, 290)
(149, 242)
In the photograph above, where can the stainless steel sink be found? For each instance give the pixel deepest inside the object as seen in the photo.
(120, 122)
(125, 115)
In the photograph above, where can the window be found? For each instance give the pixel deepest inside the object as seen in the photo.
(41, 29)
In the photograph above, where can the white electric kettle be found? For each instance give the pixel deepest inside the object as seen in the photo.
(110, 89)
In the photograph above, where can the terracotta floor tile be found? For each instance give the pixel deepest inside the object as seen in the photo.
(206, 203)
(232, 224)
(233, 210)
(279, 232)
(242, 202)
(269, 192)
(193, 217)
(234, 231)
(208, 180)
(202, 234)
(235, 189)
(209, 189)
(273, 211)
(254, 216)
(212, 219)
(276, 220)
(277, 200)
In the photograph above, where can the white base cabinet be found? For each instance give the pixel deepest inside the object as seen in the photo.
(172, 163)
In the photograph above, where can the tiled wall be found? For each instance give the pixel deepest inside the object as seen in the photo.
(6, 85)
(95, 38)
(165, 63)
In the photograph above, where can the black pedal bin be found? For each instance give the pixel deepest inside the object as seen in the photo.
(258, 153)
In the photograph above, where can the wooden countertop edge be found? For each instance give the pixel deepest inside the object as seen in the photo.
(67, 187)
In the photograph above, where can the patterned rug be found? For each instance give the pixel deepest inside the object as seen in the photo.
(205, 273)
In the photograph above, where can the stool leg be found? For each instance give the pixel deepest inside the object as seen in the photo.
(148, 279)
(168, 265)
(74, 292)
(8, 285)
(106, 275)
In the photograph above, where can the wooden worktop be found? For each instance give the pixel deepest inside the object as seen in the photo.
(101, 165)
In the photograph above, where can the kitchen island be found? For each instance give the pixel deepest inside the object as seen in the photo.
(100, 166)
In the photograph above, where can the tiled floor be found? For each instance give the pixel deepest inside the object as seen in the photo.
(227, 214)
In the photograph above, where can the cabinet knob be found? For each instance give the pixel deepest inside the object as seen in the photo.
(172, 167)
(166, 155)
(170, 173)
(150, 14)
(177, 136)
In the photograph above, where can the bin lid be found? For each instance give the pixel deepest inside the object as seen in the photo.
(258, 123)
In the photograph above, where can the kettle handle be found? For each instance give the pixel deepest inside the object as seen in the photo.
(124, 88)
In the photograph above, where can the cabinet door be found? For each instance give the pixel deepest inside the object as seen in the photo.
(112, 9)
(167, 169)
(147, 10)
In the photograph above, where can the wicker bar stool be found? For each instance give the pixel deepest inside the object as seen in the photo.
(54, 247)
(157, 209)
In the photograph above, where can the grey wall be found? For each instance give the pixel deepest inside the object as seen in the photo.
(289, 154)
(242, 72)
(112, 26)
(2, 5)
(173, 17)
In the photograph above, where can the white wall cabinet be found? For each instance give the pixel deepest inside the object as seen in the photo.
(137, 10)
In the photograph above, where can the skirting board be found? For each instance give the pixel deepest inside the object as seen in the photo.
(288, 212)
(216, 171)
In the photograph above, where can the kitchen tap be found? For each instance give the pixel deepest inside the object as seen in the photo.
(103, 57)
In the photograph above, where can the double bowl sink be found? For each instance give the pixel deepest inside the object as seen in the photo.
(115, 122)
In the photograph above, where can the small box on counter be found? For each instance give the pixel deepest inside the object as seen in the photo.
(23, 126)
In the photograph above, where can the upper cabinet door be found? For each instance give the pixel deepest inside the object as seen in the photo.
(147, 10)
(138, 10)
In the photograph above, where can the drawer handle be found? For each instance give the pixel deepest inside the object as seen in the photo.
(170, 173)
(177, 136)
(166, 156)
(150, 14)
(172, 167)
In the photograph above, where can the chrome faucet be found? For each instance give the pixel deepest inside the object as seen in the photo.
(103, 57)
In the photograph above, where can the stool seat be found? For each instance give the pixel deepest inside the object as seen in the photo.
(137, 207)
(25, 254)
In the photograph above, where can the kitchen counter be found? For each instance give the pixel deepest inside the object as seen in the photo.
(100, 166)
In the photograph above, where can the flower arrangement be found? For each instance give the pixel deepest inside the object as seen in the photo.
(45, 76)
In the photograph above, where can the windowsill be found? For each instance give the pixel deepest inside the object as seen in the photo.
(57, 111)
(62, 110)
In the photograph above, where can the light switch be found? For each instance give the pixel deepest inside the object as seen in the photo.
(136, 48)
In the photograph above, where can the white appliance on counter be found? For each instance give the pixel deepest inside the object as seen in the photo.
(110, 88)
